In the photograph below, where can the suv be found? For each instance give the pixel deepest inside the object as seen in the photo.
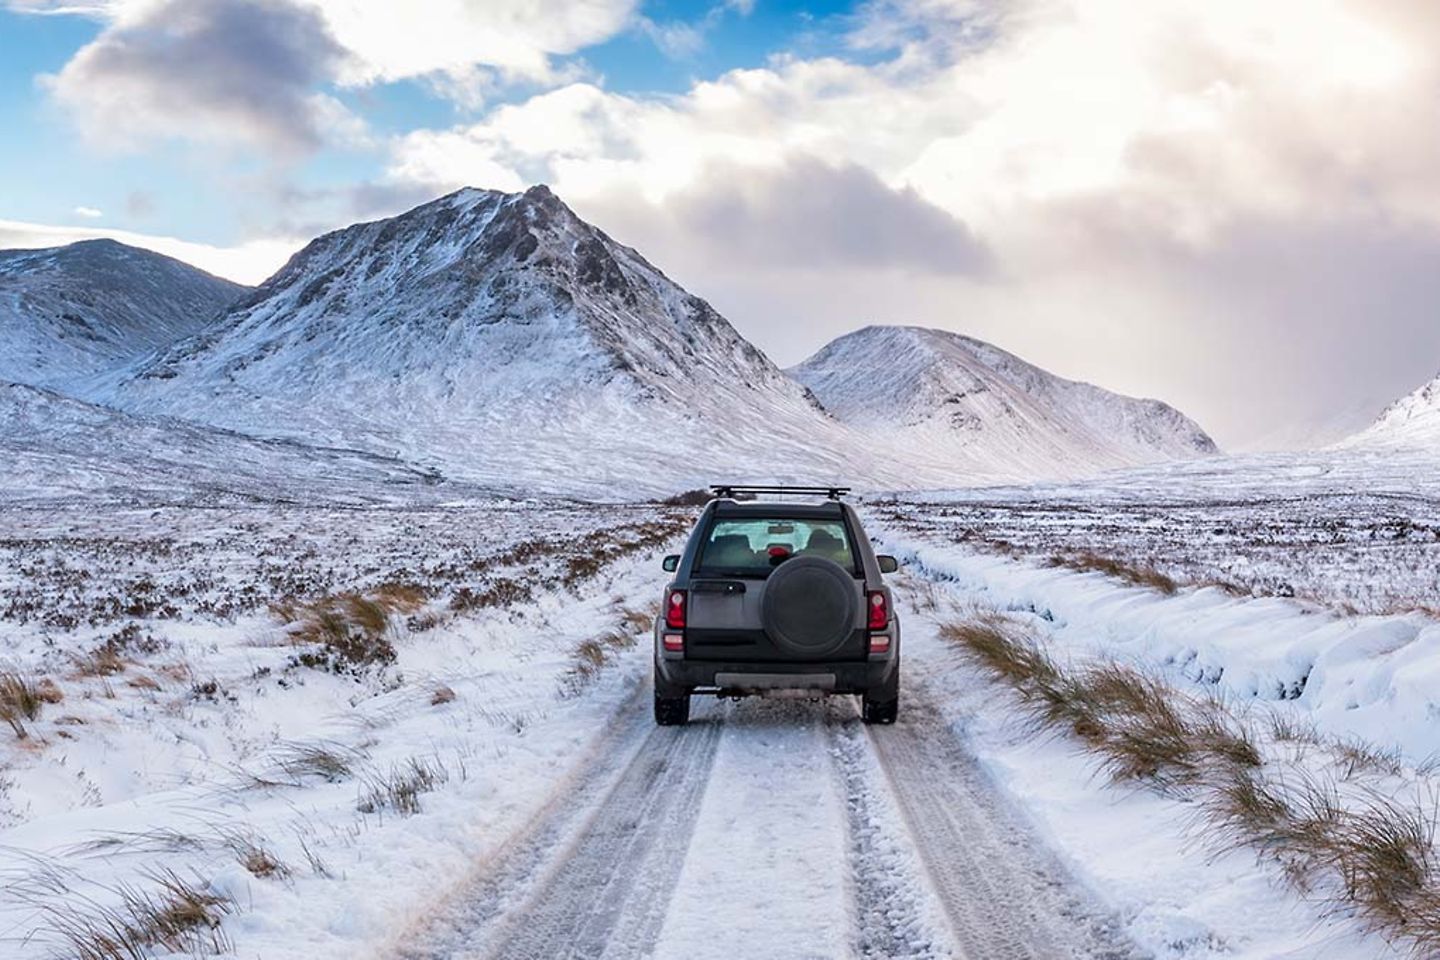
(779, 600)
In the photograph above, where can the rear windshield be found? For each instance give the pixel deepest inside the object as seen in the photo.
(754, 546)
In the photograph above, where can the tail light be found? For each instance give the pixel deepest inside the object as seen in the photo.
(675, 610)
(877, 610)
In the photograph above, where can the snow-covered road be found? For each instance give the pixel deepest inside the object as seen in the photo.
(772, 829)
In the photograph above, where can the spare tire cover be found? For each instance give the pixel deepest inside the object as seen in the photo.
(810, 605)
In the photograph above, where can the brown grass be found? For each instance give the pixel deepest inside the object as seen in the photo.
(349, 632)
(1374, 860)
(21, 699)
(400, 789)
(174, 916)
(594, 655)
(1132, 573)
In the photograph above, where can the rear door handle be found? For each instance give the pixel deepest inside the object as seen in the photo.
(731, 587)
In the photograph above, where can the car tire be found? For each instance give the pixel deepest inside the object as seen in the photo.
(672, 711)
(879, 711)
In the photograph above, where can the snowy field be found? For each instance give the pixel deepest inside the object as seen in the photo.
(1357, 532)
(422, 731)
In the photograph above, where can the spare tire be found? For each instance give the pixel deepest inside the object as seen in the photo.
(810, 607)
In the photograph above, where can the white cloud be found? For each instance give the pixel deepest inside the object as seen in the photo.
(256, 72)
(248, 263)
(518, 38)
(88, 213)
(1111, 157)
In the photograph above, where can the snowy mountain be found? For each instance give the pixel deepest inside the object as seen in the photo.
(1413, 420)
(68, 313)
(57, 448)
(988, 411)
(500, 338)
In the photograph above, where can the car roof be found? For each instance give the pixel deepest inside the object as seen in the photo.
(779, 510)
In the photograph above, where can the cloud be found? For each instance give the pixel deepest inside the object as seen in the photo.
(265, 73)
(1152, 196)
(516, 38)
(220, 71)
(805, 215)
(247, 263)
(88, 213)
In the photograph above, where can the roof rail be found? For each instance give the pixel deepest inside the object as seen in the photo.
(729, 490)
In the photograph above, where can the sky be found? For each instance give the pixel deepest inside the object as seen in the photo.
(1231, 206)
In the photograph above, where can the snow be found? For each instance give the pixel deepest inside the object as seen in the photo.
(763, 855)
(414, 401)
(990, 412)
(1413, 421)
(75, 312)
(498, 339)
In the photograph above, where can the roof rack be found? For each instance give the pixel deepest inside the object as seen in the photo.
(731, 489)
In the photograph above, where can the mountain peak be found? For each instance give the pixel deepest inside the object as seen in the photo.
(478, 314)
(1412, 420)
(948, 392)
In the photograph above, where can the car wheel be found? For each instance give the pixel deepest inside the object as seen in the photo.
(879, 711)
(672, 711)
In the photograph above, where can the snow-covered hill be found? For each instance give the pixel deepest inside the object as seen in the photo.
(56, 448)
(69, 313)
(501, 338)
(1413, 420)
(988, 411)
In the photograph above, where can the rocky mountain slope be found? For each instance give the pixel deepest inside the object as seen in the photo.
(69, 313)
(987, 411)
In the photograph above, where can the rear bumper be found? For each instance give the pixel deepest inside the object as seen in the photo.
(745, 678)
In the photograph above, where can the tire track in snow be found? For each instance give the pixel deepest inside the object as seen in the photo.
(595, 866)
(1005, 895)
(895, 912)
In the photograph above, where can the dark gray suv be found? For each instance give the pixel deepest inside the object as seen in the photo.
(778, 599)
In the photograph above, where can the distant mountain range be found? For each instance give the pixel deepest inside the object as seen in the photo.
(69, 313)
(499, 338)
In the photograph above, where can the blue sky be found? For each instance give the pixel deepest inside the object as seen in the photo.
(189, 191)
(1232, 206)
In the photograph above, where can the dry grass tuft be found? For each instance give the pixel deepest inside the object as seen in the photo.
(324, 760)
(349, 633)
(639, 620)
(257, 860)
(400, 789)
(1357, 757)
(1374, 860)
(176, 916)
(21, 699)
(1132, 573)
(594, 655)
